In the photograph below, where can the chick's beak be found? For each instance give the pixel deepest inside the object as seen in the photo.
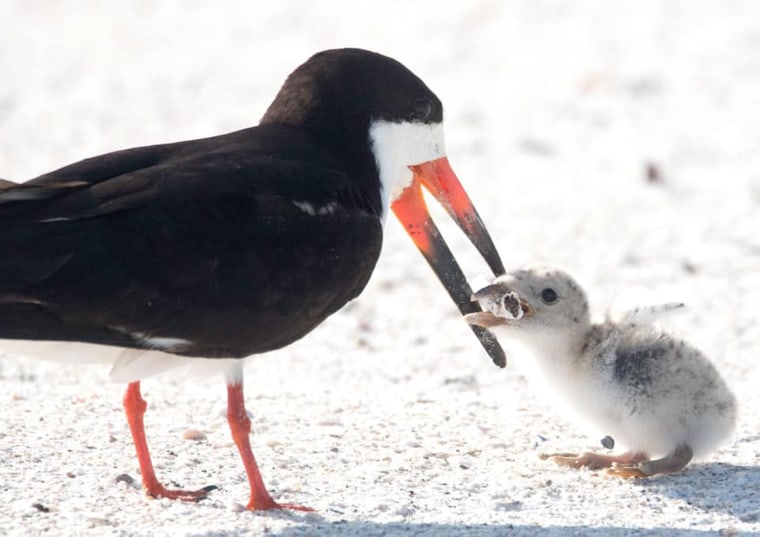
(486, 319)
(440, 180)
(489, 292)
(496, 293)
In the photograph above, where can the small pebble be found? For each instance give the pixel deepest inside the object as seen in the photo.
(653, 173)
(689, 267)
(608, 442)
(41, 508)
(125, 478)
(194, 434)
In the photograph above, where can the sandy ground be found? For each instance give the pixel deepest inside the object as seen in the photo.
(389, 419)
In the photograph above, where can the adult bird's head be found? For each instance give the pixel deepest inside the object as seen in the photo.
(385, 128)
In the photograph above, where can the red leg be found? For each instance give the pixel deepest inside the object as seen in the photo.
(135, 406)
(240, 426)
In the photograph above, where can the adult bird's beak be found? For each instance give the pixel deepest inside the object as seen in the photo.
(440, 180)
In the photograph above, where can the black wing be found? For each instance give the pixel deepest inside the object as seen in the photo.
(201, 242)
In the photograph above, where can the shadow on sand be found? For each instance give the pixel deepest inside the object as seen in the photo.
(730, 489)
(372, 529)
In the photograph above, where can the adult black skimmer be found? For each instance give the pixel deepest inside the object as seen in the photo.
(238, 244)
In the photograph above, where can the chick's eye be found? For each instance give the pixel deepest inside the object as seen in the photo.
(422, 110)
(549, 295)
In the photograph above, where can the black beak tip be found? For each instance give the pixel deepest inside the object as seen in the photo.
(491, 345)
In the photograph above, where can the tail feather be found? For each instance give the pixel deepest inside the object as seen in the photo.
(23, 320)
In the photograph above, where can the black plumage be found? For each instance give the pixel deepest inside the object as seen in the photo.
(200, 241)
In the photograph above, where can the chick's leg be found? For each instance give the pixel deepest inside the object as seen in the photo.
(594, 461)
(667, 465)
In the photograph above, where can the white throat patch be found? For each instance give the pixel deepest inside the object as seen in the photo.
(397, 146)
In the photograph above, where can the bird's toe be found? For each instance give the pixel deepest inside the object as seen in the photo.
(627, 471)
(572, 460)
(552, 456)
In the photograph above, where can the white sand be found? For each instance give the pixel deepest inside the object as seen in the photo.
(389, 419)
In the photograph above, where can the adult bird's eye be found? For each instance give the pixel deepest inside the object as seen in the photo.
(422, 110)
(549, 295)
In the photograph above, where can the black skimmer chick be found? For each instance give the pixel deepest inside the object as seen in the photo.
(651, 392)
(238, 244)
